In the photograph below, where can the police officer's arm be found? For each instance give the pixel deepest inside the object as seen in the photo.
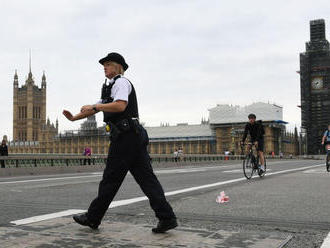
(78, 116)
(114, 107)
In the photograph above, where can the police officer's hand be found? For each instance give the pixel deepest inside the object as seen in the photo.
(68, 115)
(86, 108)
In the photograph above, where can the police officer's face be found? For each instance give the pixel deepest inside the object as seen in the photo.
(109, 69)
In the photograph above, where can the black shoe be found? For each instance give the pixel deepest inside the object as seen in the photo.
(83, 220)
(165, 225)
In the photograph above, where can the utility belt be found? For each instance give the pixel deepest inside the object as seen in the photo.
(123, 126)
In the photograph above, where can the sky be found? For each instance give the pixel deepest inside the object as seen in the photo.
(184, 56)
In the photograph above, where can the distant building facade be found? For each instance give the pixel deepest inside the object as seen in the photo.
(315, 86)
(30, 127)
(32, 133)
(228, 123)
(191, 139)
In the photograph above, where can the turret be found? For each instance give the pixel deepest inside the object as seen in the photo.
(15, 80)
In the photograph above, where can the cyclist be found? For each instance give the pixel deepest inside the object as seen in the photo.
(326, 137)
(256, 130)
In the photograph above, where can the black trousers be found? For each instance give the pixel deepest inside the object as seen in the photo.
(129, 153)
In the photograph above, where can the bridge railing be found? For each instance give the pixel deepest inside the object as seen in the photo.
(44, 160)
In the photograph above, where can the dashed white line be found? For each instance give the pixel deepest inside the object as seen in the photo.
(144, 198)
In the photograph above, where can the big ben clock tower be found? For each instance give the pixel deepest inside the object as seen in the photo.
(315, 86)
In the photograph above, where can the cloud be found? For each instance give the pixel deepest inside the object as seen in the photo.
(184, 56)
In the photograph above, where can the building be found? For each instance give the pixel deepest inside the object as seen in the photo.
(32, 133)
(30, 127)
(228, 123)
(29, 113)
(315, 86)
(192, 139)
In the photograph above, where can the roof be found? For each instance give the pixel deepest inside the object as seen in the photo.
(179, 131)
(224, 113)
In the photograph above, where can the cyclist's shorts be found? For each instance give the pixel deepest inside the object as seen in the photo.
(260, 145)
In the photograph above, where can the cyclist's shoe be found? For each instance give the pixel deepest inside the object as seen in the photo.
(261, 170)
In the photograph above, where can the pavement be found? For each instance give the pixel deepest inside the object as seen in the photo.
(286, 208)
(62, 232)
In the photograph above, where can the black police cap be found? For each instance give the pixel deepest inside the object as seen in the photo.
(114, 57)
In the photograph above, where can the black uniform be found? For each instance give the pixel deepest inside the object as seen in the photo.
(257, 132)
(127, 152)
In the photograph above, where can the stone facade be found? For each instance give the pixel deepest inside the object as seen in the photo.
(315, 87)
(228, 123)
(229, 136)
(223, 132)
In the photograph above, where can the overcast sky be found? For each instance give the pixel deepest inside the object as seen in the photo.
(184, 56)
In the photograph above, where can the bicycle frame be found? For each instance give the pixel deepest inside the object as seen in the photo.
(250, 151)
(251, 163)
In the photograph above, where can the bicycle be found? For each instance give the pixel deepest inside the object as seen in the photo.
(251, 163)
(327, 160)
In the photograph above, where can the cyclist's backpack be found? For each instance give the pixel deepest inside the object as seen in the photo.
(262, 127)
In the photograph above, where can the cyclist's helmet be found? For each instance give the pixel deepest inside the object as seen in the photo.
(252, 116)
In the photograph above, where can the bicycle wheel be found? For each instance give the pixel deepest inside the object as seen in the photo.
(248, 166)
(265, 167)
(328, 163)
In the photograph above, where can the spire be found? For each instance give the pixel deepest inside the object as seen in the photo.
(30, 77)
(43, 81)
(30, 61)
(16, 79)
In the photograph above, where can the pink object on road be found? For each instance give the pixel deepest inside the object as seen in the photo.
(222, 198)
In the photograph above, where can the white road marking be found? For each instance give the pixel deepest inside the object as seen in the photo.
(240, 171)
(174, 171)
(233, 171)
(46, 217)
(46, 179)
(326, 242)
(316, 171)
(144, 198)
(99, 174)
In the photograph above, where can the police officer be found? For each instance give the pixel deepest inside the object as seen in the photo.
(128, 149)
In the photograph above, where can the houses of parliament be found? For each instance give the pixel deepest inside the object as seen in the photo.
(221, 131)
(33, 133)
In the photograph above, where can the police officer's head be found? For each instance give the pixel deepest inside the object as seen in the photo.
(113, 64)
(329, 127)
(252, 118)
